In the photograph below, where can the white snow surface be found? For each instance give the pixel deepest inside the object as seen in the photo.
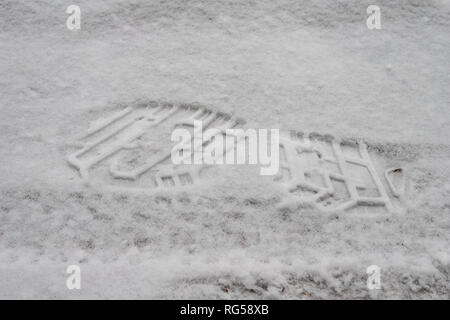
(300, 65)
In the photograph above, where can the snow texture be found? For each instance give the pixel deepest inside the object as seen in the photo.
(378, 99)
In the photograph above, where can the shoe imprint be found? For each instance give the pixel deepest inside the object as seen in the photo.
(331, 174)
(134, 144)
(132, 148)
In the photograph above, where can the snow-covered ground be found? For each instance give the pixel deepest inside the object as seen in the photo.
(310, 66)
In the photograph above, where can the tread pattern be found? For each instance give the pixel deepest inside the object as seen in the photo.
(330, 174)
(315, 170)
(122, 137)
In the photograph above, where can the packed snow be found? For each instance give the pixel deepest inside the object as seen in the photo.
(308, 66)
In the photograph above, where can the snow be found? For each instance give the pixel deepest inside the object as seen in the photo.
(311, 66)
